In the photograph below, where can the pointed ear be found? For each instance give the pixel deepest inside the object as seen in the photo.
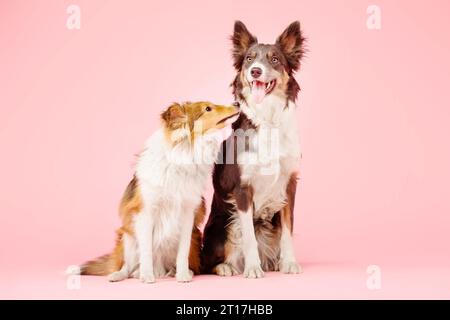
(291, 44)
(242, 40)
(174, 116)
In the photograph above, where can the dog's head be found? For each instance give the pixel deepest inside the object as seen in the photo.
(190, 119)
(265, 69)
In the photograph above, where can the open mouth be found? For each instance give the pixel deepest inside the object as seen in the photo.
(261, 89)
(229, 119)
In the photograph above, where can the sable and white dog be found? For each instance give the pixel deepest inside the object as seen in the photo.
(163, 206)
(250, 226)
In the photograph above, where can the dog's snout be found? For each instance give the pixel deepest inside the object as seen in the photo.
(256, 72)
(236, 104)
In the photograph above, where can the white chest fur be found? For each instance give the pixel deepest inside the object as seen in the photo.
(172, 180)
(273, 154)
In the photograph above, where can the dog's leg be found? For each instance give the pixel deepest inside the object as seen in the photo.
(129, 260)
(158, 266)
(120, 275)
(183, 273)
(144, 236)
(252, 262)
(288, 262)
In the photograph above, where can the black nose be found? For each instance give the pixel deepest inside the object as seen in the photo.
(256, 72)
(236, 104)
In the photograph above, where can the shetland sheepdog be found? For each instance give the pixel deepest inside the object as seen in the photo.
(162, 206)
(249, 229)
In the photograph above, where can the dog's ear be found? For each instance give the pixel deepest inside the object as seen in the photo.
(174, 116)
(242, 40)
(291, 44)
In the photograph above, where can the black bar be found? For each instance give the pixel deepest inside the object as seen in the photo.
(223, 309)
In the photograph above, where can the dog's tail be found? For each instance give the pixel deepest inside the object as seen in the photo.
(101, 266)
(107, 263)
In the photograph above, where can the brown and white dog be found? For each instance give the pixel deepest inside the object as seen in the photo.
(163, 207)
(250, 226)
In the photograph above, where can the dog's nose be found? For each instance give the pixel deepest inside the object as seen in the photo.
(236, 104)
(256, 72)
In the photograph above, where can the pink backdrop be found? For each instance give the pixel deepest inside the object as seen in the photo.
(374, 111)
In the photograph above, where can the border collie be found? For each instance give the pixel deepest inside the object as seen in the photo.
(249, 229)
(163, 207)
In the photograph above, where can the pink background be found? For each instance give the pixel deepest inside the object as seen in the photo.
(374, 111)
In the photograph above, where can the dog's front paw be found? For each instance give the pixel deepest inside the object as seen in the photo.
(160, 272)
(171, 272)
(291, 267)
(146, 277)
(117, 276)
(135, 274)
(253, 272)
(225, 270)
(184, 276)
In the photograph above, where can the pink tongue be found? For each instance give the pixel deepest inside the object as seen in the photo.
(258, 91)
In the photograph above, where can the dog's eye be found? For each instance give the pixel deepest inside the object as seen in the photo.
(208, 109)
(249, 59)
(274, 60)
